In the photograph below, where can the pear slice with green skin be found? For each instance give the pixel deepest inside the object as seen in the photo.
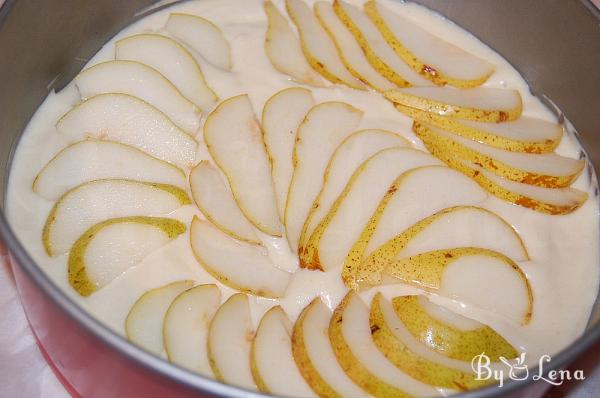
(349, 155)
(95, 201)
(333, 237)
(229, 342)
(109, 248)
(409, 355)
(234, 139)
(545, 170)
(315, 357)
(379, 54)
(173, 61)
(526, 134)
(481, 104)
(144, 322)
(272, 361)
(185, 328)
(355, 350)
(142, 81)
(239, 265)
(430, 56)
(448, 339)
(98, 160)
(281, 116)
(319, 49)
(459, 226)
(217, 204)
(429, 271)
(202, 36)
(130, 121)
(350, 52)
(324, 128)
(284, 51)
(544, 200)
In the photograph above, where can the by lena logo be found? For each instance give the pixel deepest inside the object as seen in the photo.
(517, 369)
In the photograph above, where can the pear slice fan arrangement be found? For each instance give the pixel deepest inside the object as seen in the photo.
(347, 199)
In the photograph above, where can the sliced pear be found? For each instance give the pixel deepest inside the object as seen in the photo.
(449, 339)
(144, 82)
(436, 59)
(173, 61)
(131, 121)
(546, 170)
(144, 322)
(229, 342)
(460, 226)
(95, 201)
(215, 201)
(350, 336)
(202, 36)
(97, 160)
(325, 127)
(272, 361)
(416, 360)
(472, 275)
(185, 328)
(109, 248)
(482, 104)
(526, 134)
(281, 116)
(284, 51)
(333, 237)
(348, 156)
(239, 265)
(350, 52)
(319, 49)
(315, 357)
(381, 56)
(234, 139)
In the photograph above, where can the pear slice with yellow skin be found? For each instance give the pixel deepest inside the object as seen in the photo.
(400, 207)
(234, 139)
(447, 339)
(284, 51)
(481, 104)
(242, 266)
(409, 355)
(185, 327)
(323, 129)
(217, 204)
(350, 52)
(173, 61)
(272, 361)
(379, 54)
(351, 338)
(97, 160)
(282, 114)
(319, 49)
(545, 170)
(109, 248)
(334, 236)
(131, 121)
(459, 226)
(202, 36)
(429, 271)
(349, 155)
(315, 357)
(96, 201)
(525, 134)
(144, 322)
(142, 81)
(432, 57)
(229, 342)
